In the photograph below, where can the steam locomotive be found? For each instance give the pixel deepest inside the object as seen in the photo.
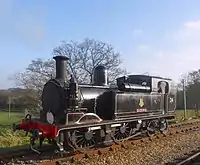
(83, 115)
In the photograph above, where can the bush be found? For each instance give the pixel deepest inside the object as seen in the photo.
(9, 138)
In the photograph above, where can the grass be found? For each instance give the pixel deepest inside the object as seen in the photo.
(180, 115)
(7, 136)
(189, 113)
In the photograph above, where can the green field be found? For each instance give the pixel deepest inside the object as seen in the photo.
(189, 114)
(8, 138)
(6, 120)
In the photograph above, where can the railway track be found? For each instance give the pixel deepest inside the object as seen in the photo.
(193, 159)
(116, 147)
(25, 155)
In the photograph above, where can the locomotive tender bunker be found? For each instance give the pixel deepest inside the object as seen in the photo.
(95, 113)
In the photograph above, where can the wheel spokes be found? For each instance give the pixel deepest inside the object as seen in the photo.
(122, 132)
(82, 139)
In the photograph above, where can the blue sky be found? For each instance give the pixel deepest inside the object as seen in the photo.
(157, 36)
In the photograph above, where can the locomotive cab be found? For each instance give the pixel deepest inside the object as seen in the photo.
(134, 83)
(140, 95)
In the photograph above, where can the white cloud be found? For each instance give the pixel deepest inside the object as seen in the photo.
(186, 56)
(192, 24)
(182, 54)
(137, 32)
(188, 34)
(143, 48)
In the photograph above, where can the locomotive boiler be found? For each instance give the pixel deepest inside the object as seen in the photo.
(82, 115)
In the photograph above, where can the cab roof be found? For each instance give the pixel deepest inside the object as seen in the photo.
(148, 76)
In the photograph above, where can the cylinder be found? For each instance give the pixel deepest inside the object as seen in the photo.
(61, 67)
(100, 77)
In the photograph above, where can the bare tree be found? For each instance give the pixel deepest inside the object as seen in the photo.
(192, 87)
(85, 56)
(193, 77)
(35, 76)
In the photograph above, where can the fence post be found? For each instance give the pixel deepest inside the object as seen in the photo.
(184, 98)
(9, 106)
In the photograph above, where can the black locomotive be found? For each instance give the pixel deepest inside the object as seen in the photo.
(81, 115)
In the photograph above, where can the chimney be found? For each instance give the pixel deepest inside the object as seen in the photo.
(61, 67)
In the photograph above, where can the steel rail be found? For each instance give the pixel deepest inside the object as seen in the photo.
(191, 160)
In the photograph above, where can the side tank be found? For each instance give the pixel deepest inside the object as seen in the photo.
(90, 92)
(116, 104)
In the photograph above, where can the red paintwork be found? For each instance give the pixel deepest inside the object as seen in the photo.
(48, 131)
